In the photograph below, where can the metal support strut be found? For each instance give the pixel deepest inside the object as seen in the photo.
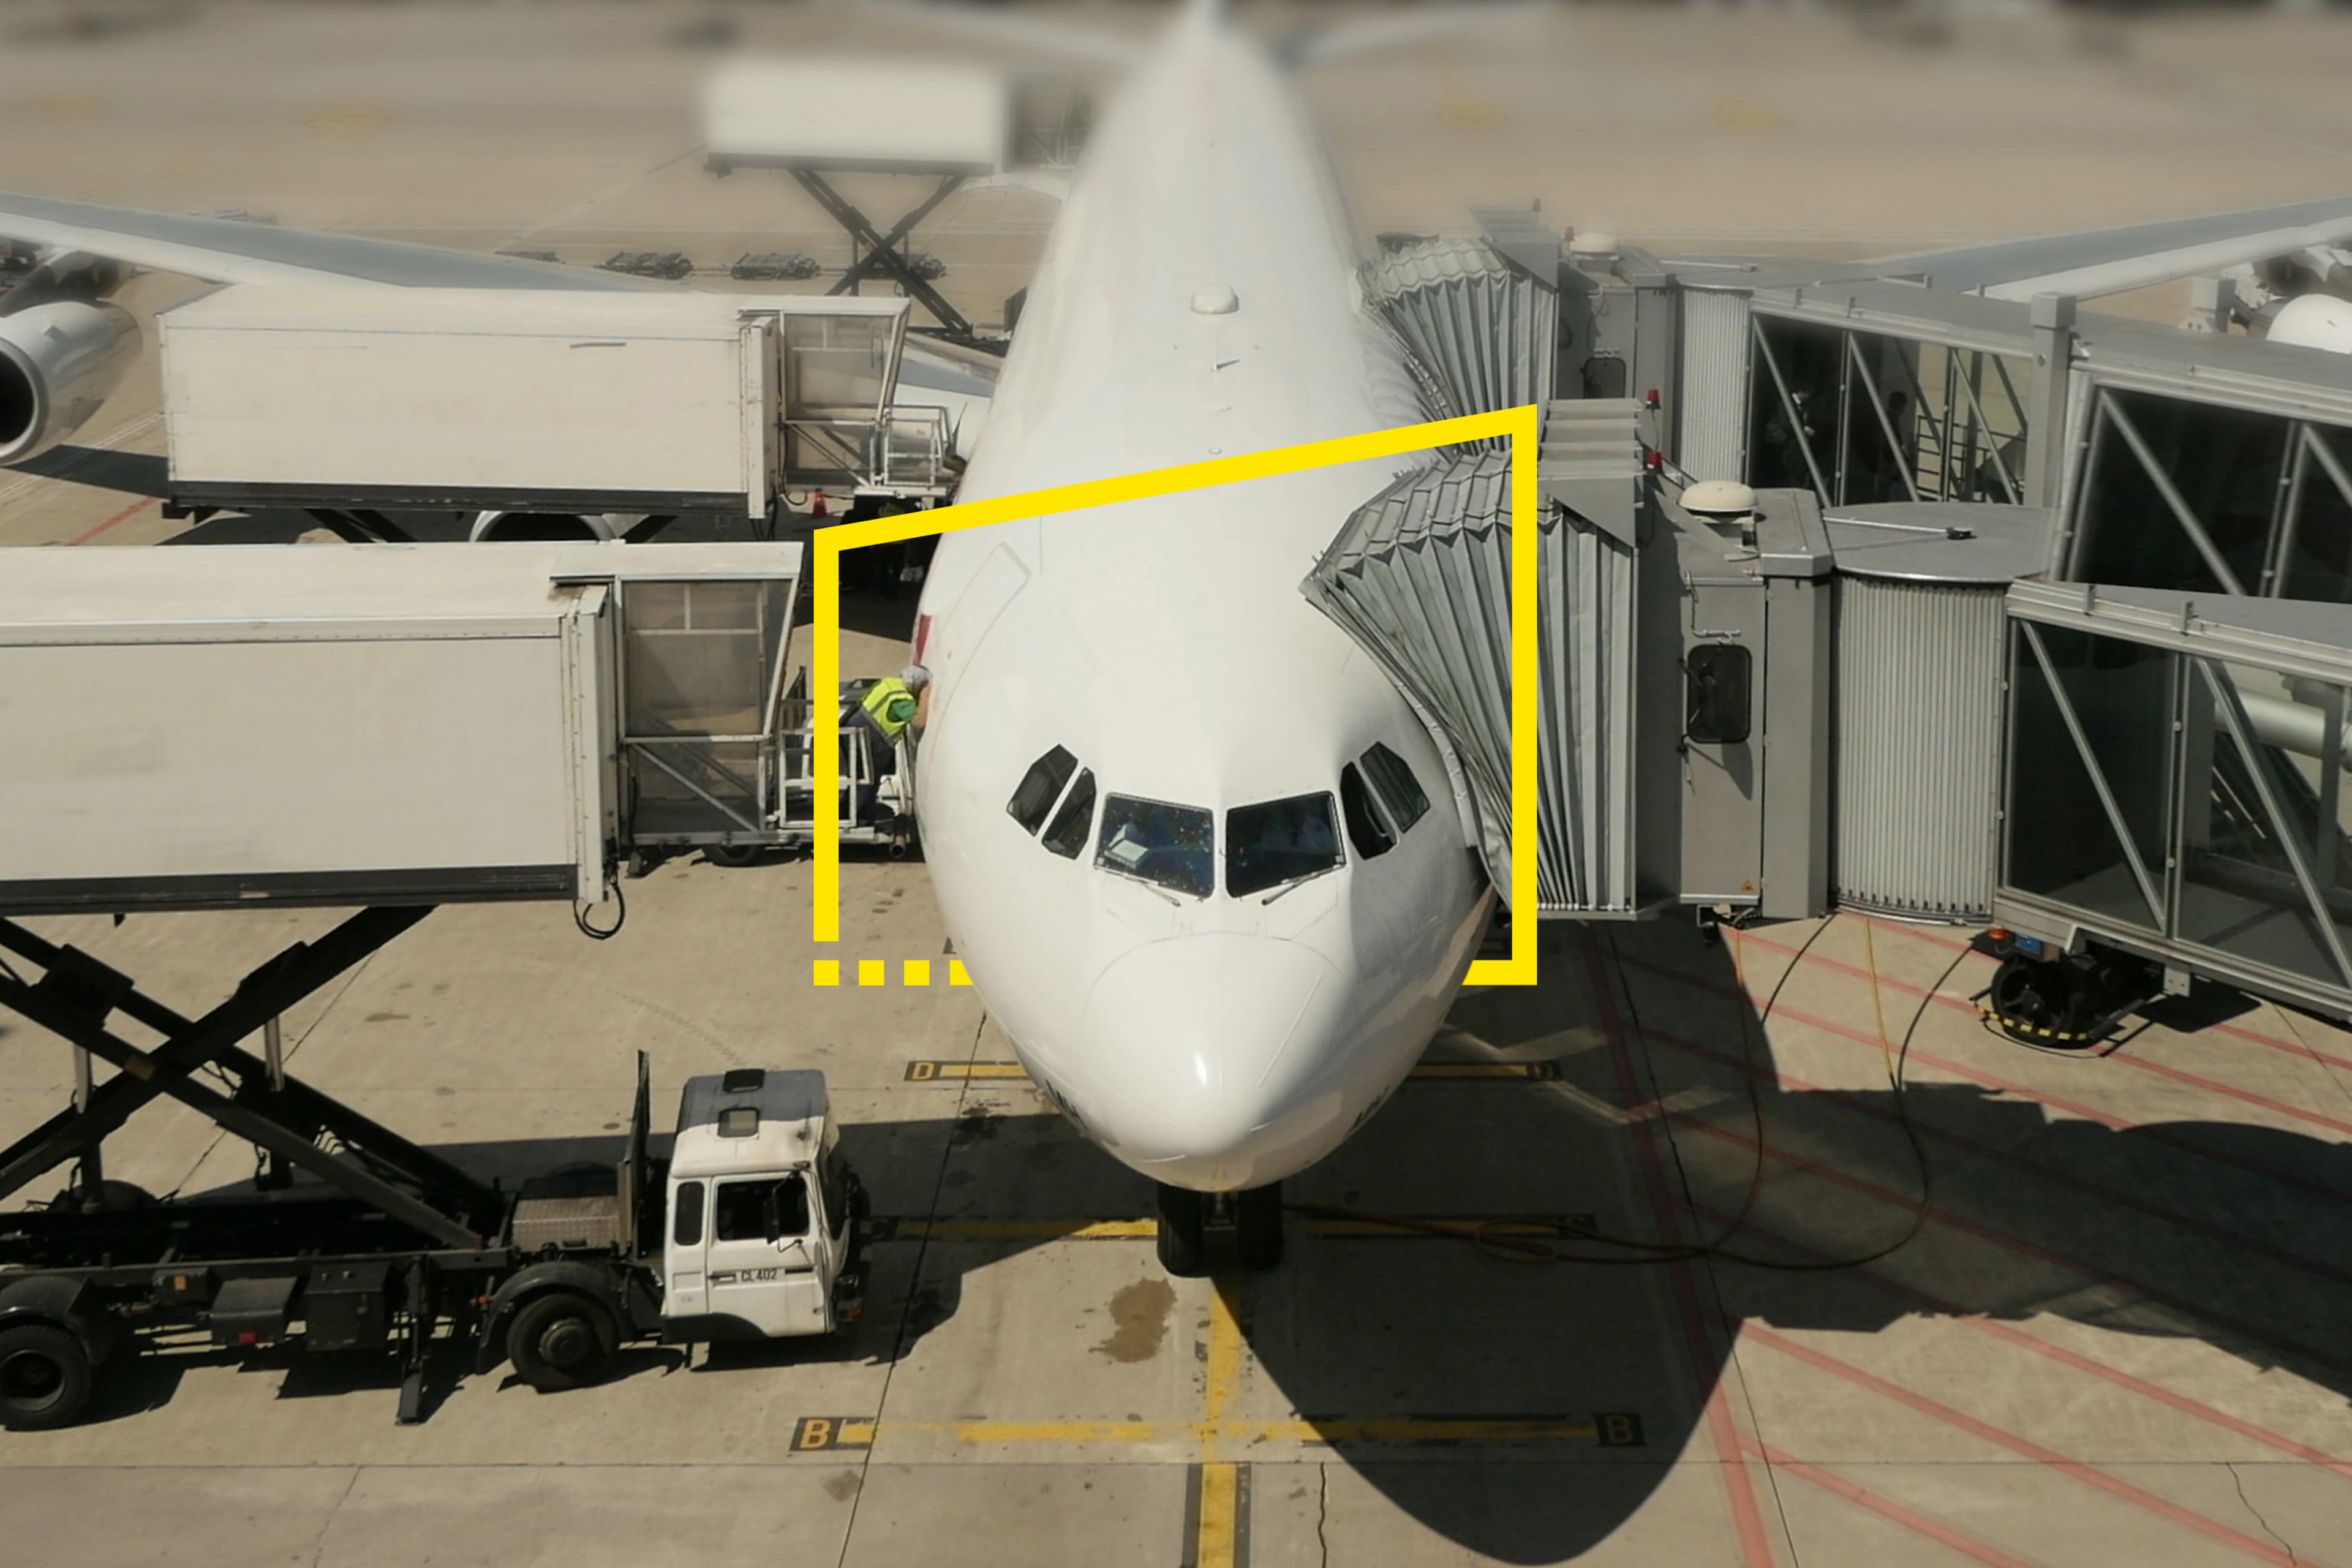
(878, 253)
(76, 994)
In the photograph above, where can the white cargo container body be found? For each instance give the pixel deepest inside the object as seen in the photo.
(490, 398)
(318, 723)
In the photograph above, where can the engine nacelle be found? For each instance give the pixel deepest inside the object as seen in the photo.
(2315, 322)
(57, 362)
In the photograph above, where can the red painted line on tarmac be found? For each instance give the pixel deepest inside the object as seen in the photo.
(126, 513)
(2213, 1085)
(2236, 1031)
(2010, 1085)
(2013, 1243)
(1747, 1519)
(2026, 1447)
(1929, 1302)
(2068, 1179)
(1918, 1524)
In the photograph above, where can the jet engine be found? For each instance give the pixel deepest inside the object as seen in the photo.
(57, 362)
(2314, 321)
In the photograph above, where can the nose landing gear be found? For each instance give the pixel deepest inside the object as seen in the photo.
(1187, 1218)
(1184, 1226)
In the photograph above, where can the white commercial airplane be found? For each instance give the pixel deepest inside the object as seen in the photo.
(1200, 856)
(1181, 828)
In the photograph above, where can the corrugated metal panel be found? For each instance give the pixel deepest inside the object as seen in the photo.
(1421, 577)
(1484, 330)
(1918, 747)
(1713, 385)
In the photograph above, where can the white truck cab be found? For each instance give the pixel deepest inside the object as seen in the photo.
(761, 1234)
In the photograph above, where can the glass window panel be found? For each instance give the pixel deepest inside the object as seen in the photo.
(1807, 356)
(1071, 825)
(685, 1214)
(836, 363)
(1365, 829)
(1040, 787)
(730, 607)
(2225, 462)
(2061, 843)
(2319, 564)
(1279, 841)
(2239, 890)
(1166, 845)
(763, 1210)
(699, 658)
(1392, 781)
(1874, 471)
(1988, 428)
(1715, 694)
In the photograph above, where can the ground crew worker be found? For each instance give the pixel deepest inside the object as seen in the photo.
(894, 703)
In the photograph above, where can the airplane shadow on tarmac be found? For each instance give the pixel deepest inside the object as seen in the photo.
(2220, 1231)
(2225, 1232)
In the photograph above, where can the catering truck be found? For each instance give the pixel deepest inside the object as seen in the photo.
(752, 1228)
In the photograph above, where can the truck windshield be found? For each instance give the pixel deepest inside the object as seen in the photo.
(1166, 845)
(1279, 841)
(768, 1209)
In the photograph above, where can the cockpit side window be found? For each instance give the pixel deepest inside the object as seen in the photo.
(1394, 782)
(1366, 830)
(1066, 835)
(1040, 786)
(1279, 841)
(1168, 846)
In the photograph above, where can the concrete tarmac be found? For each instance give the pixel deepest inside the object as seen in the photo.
(2093, 1308)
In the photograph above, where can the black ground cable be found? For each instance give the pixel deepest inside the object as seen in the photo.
(1492, 1236)
(603, 933)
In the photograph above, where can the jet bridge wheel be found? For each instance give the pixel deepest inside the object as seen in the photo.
(559, 1341)
(44, 1378)
(2067, 1003)
(1184, 1226)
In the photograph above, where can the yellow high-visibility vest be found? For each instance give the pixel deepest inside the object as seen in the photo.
(891, 704)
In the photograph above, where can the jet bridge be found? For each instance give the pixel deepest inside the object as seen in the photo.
(382, 725)
(2174, 786)
(1773, 710)
(1870, 683)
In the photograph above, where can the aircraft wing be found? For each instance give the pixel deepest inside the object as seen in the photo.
(2109, 260)
(225, 251)
(1037, 34)
(1321, 43)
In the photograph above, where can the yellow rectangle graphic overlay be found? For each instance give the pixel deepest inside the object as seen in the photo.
(1522, 425)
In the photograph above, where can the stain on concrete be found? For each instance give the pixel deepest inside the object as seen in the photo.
(841, 1485)
(1139, 1321)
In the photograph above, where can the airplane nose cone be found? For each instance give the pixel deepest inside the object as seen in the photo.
(1203, 1050)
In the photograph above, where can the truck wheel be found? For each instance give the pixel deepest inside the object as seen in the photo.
(43, 1378)
(558, 1341)
(1184, 1219)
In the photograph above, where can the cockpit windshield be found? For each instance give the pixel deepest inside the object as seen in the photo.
(1166, 845)
(1279, 841)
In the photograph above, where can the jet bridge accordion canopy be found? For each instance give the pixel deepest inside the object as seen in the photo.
(1484, 330)
(1421, 577)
